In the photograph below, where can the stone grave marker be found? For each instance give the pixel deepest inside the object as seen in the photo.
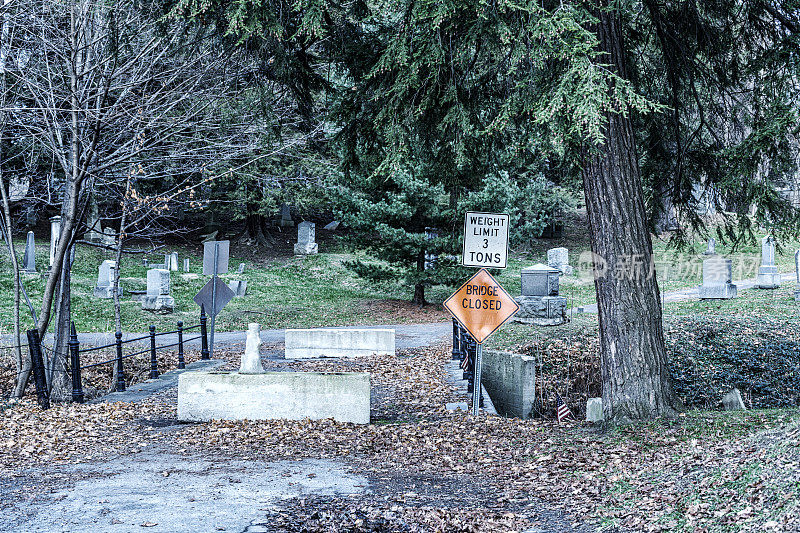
(93, 223)
(305, 239)
(286, 217)
(55, 232)
(173, 261)
(241, 268)
(717, 279)
(239, 287)
(594, 410)
(558, 258)
(331, 226)
(186, 264)
(158, 297)
(105, 280)
(732, 401)
(540, 303)
(768, 275)
(712, 247)
(29, 260)
(797, 276)
(109, 236)
(251, 360)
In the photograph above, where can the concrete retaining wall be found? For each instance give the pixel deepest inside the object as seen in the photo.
(343, 396)
(332, 342)
(510, 380)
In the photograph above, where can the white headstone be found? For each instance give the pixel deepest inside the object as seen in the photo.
(157, 282)
(559, 258)
(251, 360)
(717, 279)
(93, 223)
(55, 232)
(305, 239)
(157, 298)
(768, 275)
(239, 287)
(712, 247)
(186, 264)
(331, 226)
(29, 261)
(732, 401)
(173, 261)
(594, 410)
(105, 280)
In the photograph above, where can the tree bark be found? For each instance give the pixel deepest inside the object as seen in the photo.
(419, 288)
(635, 373)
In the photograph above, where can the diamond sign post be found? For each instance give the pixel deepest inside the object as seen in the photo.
(215, 261)
(481, 306)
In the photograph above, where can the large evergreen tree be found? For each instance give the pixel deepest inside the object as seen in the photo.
(441, 92)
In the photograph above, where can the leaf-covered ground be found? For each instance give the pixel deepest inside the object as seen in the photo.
(704, 471)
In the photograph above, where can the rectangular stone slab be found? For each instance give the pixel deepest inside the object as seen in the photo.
(338, 342)
(343, 396)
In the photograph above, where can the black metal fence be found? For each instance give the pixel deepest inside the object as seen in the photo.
(465, 349)
(75, 356)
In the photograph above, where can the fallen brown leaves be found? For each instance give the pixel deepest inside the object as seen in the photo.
(701, 472)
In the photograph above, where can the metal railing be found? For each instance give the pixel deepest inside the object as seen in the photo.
(465, 350)
(75, 356)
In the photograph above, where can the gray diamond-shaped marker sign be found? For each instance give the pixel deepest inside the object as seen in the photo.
(224, 295)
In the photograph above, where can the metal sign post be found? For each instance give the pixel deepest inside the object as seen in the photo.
(213, 298)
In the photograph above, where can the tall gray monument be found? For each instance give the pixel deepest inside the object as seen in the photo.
(717, 278)
(286, 217)
(768, 275)
(540, 303)
(305, 239)
(797, 275)
(105, 280)
(29, 260)
(55, 232)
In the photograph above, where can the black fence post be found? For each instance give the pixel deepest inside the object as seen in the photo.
(75, 362)
(204, 353)
(153, 362)
(39, 379)
(456, 341)
(181, 361)
(120, 372)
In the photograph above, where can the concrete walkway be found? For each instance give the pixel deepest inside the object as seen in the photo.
(693, 293)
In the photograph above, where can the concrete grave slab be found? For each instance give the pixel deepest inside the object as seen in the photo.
(338, 342)
(343, 396)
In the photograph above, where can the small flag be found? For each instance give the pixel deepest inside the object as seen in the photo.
(562, 411)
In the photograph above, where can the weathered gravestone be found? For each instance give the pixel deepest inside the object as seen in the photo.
(540, 303)
(251, 360)
(105, 280)
(768, 275)
(558, 258)
(732, 401)
(797, 275)
(286, 217)
(239, 287)
(717, 279)
(158, 298)
(173, 261)
(241, 268)
(29, 260)
(594, 410)
(93, 224)
(55, 232)
(108, 236)
(712, 247)
(331, 226)
(186, 265)
(305, 239)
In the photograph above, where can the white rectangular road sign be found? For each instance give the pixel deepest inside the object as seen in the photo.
(485, 240)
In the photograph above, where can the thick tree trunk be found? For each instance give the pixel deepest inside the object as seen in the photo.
(635, 375)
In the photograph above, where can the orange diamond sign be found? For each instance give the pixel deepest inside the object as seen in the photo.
(481, 305)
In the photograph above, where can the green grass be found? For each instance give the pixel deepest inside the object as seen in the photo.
(294, 292)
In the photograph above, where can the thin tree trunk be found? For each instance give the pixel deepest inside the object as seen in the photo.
(635, 374)
(21, 362)
(419, 288)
